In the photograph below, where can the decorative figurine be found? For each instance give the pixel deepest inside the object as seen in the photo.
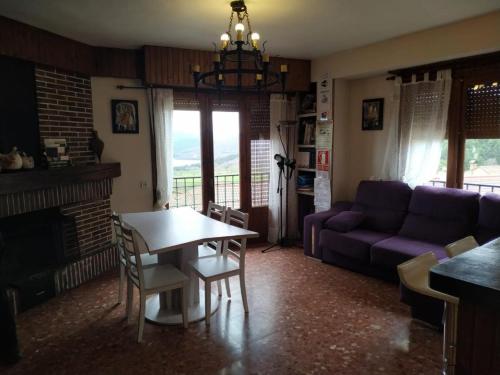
(96, 145)
(28, 161)
(12, 160)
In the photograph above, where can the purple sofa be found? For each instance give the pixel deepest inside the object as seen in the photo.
(389, 223)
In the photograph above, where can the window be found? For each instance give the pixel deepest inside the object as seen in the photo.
(482, 165)
(439, 178)
(481, 162)
(260, 150)
(187, 187)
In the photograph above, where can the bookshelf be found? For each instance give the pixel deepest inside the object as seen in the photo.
(306, 154)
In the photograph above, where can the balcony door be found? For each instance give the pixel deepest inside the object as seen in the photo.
(222, 153)
(207, 142)
(226, 157)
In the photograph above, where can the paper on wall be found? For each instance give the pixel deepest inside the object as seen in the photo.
(324, 134)
(322, 194)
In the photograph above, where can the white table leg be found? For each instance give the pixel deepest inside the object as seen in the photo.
(165, 308)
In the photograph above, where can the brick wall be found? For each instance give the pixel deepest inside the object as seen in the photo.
(92, 224)
(65, 110)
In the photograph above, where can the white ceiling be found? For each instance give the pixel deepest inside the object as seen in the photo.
(293, 28)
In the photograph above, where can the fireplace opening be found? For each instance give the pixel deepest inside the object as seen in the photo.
(33, 248)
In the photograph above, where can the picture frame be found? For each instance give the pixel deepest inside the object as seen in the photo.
(125, 116)
(373, 114)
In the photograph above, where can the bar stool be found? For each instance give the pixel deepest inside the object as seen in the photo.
(461, 246)
(414, 274)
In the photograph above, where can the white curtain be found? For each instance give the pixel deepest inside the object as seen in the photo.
(282, 109)
(422, 126)
(162, 117)
(390, 165)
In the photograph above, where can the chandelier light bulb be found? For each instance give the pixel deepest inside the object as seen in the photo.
(255, 37)
(224, 40)
(239, 27)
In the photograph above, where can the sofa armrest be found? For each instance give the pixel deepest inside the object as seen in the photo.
(313, 223)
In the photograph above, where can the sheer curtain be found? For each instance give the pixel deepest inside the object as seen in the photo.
(281, 109)
(390, 165)
(422, 126)
(162, 103)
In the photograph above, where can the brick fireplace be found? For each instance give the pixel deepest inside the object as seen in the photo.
(80, 193)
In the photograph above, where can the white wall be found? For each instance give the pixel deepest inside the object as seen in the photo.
(360, 74)
(131, 150)
(366, 148)
(465, 38)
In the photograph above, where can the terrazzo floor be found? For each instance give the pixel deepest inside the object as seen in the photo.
(305, 318)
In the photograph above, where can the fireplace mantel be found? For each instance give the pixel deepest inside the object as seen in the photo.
(25, 181)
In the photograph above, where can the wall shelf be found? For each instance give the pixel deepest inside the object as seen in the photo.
(306, 146)
(310, 193)
(304, 115)
(306, 169)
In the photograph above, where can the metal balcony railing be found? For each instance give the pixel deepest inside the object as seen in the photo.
(187, 191)
(480, 188)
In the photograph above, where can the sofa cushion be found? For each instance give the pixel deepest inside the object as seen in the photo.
(384, 203)
(345, 221)
(398, 249)
(488, 225)
(354, 244)
(440, 215)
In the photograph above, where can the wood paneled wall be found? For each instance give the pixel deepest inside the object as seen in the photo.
(42, 47)
(118, 63)
(156, 65)
(172, 67)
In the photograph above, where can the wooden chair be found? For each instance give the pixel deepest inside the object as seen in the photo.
(208, 249)
(414, 274)
(230, 263)
(461, 246)
(213, 248)
(147, 259)
(150, 280)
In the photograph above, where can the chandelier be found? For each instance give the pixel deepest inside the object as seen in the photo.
(240, 63)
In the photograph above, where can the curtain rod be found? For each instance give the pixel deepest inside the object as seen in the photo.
(199, 90)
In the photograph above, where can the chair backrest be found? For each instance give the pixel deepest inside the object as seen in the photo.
(217, 212)
(117, 225)
(133, 256)
(461, 246)
(238, 219)
(414, 273)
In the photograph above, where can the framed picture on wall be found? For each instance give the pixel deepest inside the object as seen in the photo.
(373, 114)
(125, 116)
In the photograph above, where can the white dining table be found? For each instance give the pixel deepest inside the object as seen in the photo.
(174, 235)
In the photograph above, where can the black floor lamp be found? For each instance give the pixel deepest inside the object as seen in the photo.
(286, 166)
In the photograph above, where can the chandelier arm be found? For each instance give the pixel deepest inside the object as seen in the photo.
(230, 23)
(248, 21)
(233, 59)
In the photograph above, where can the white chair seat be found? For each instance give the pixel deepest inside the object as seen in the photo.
(146, 259)
(161, 275)
(205, 251)
(215, 266)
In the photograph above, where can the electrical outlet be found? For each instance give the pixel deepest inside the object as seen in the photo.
(143, 184)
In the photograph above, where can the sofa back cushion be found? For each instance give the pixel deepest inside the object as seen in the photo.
(488, 225)
(440, 215)
(384, 203)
